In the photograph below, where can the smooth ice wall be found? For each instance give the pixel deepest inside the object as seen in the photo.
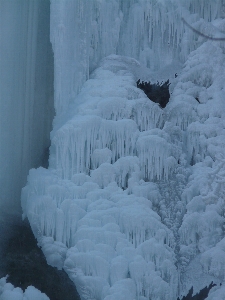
(26, 94)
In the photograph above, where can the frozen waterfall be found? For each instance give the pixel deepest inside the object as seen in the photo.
(26, 93)
(26, 113)
(132, 203)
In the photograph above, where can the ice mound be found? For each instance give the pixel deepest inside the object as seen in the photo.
(91, 211)
(9, 292)
(132, 205)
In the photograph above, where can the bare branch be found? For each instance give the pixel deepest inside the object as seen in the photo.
(200, 33)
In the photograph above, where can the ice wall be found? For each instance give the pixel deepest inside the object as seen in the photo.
(93, 198)
(26, 93)
(83, 32)
(105, 210)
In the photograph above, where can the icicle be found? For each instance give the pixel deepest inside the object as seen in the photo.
(147, 115)
(100, 156)
(155, 157)
(124, 167)
(119, 136)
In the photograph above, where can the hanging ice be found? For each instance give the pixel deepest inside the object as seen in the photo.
(81, 197)
(133, 199)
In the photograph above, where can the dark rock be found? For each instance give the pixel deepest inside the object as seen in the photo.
(25, 264)
(156, 92)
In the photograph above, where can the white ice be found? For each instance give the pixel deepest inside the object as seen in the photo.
(133, 199)
(9, 292)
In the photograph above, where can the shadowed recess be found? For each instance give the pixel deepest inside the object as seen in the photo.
(156, 92)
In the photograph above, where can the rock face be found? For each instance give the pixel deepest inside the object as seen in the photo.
(157, 92)
(25, 264)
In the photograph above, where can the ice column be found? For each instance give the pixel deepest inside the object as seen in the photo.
(26, 92)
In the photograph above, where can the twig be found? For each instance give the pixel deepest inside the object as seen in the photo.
(200, 33)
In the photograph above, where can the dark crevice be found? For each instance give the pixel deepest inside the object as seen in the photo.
(156, 92)
(45, 158)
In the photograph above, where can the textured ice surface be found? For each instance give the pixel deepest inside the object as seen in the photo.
(132, 205)
(9, 292)
(92, 210)
(121, 201)
(217, 293)
(151, 31)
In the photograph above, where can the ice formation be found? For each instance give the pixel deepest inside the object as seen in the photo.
(132, 204)
(9, 292)
(26, 93)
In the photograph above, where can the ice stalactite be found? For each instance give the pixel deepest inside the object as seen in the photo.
(131, 187)
(84, 32)
(87, 194)
(155, 154)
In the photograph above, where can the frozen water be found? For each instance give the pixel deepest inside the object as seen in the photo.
(9, 292)
(132, 205)
(85, 205)
(122, 27)
(26, 93)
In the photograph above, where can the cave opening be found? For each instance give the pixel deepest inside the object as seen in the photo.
(156, 92)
